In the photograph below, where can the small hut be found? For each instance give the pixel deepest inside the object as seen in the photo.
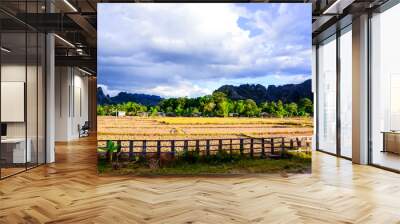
(265, 114)
(143, 114)
(121, 113)
(233, 115)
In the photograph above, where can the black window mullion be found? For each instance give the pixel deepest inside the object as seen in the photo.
(26, 87)
(316, 100)
(37, 90)
(338, 80)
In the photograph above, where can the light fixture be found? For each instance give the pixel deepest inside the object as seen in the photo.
(70, 5)
(5, 50)
(337, 7)
(80, 51)
(64, 40)
(84, 71)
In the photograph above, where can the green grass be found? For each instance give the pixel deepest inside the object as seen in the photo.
(295, 163)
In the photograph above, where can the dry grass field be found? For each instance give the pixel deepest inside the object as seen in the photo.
(164, 128)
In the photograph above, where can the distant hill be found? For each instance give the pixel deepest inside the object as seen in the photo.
(258, 93)
(290, 92)
(144, 99)
(102, 98)
(122, 97)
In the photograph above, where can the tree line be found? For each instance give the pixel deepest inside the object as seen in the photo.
(215, 105)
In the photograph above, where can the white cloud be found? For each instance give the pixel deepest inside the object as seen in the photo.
(148, 45)
(293, 79)
(181, 89)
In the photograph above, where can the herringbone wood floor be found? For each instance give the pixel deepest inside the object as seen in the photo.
(70, 191)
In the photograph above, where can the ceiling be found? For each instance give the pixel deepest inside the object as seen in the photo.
(75, 22)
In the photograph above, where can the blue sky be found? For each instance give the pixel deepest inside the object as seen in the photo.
(175, 50)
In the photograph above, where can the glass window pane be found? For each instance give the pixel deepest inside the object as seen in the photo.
(385, 89)
(327, 96)
(23, 90)
(31, 97)
(41, 98)
(13, 86)
(346, 93)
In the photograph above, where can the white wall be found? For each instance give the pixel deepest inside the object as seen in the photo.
(62, 82)
(71, 102)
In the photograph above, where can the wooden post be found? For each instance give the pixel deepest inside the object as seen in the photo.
(144, 147)
(241, 146)
(272, 146)
(208, 147)
(230, 147)
(173, 147)
(291, 143)
(158, 149)
(130, 150)
(119, 145)
(251, 147)
(119, 148)
(197, 146)
(282, 145)
(220, 145)
(185, 146)
(263, 148)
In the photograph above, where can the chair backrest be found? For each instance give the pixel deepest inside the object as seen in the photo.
(86, 125)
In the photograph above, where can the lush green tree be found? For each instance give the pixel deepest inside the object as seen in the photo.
(217, 104)
(209, 108)
(291, 109)
(223, 108)
(251, 108)
(101, 111)
(306, 107)
(271, 108)
(222, 104)
(154, 111)
(239, 107)
(280, 110)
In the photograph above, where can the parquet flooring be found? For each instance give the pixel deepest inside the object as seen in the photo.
(69, 191)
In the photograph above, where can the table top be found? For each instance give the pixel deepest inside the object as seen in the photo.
(391, 132)
(13, 140)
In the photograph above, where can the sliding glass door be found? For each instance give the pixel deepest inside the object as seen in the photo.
(22, 107)
(14, 156)
(327, 95)
(385, 89)
(334, 100)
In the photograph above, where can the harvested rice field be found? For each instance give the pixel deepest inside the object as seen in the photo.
(166, 128)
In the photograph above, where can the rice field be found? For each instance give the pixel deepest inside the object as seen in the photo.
(165, 128)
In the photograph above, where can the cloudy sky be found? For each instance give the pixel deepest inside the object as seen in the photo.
(190, 50)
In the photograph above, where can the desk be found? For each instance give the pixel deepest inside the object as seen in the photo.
(391, 141)
(13, 150)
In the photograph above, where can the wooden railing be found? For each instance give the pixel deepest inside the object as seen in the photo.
(273, 146)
